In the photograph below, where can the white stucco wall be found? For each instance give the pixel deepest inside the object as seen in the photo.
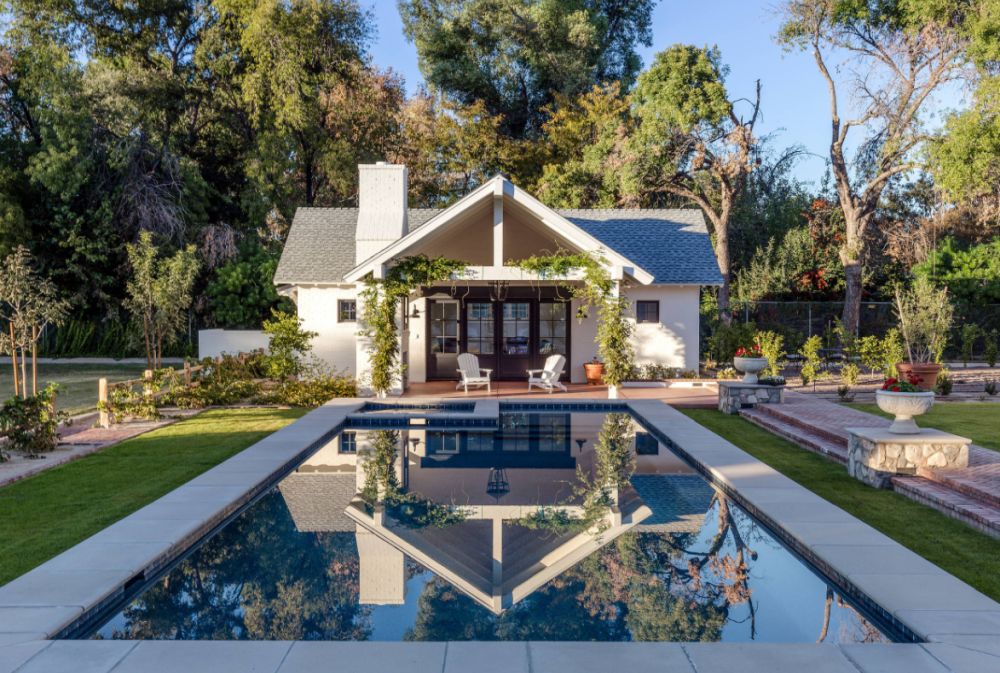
(214, 342)
(674, 340)
(336, 343)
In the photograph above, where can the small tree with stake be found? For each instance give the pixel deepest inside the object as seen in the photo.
(30, 303)
(159, 293)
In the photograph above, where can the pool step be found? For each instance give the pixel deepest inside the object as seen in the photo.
(806, 438)
(982, 516)
(980, 481)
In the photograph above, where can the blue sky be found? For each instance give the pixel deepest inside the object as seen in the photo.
(795, 102)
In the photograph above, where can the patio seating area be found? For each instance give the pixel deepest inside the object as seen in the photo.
(685, 394)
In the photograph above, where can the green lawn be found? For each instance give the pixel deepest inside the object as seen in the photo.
(950, 544)
(48, 513)
(77, 383)
(979, 421)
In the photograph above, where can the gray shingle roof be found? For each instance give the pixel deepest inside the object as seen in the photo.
(673, 244)
(317, 500)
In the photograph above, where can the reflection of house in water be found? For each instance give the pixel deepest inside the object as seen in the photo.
(487, 556)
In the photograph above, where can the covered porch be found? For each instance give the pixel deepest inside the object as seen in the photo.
(678, 394)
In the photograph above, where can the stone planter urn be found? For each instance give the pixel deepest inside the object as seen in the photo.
(750, 367)
(904, 406)
(924, 373)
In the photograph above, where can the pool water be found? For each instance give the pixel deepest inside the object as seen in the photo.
(549, 526)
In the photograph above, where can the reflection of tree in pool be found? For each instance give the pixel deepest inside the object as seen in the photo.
(641, 586)
(304, 586)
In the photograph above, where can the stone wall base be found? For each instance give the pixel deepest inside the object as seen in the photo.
(736, 395)
(875, 455)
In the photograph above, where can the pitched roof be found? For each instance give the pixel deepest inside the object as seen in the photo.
(672, 244)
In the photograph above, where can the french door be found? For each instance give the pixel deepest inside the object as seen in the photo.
(508, 337)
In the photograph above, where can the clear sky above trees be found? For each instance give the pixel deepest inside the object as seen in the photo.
(794, 97)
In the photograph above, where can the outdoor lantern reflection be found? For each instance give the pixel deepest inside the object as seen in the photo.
(497, 485)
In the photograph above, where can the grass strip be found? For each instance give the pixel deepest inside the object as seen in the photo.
(48, 513)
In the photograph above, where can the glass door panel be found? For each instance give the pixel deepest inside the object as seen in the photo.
(515, 340)
(553, 326)
(443, 341)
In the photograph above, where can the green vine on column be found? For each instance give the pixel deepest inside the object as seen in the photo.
(614, 330)
(380, 304)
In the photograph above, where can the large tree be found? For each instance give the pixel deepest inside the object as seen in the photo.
(516, 55)
(693, 141)
(897, 54)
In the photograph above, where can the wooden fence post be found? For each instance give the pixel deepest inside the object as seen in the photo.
(147, 386)
(187, 373)
(103, 418)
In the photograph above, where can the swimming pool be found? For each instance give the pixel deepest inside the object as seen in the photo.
(502, 523)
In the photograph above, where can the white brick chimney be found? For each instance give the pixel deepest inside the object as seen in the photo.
(382, 203)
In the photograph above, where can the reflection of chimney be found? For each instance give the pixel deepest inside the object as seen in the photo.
(382, 205)
(383, 576)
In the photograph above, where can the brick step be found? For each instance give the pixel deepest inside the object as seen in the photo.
(796, 434)
(961, 481)
(786, 415)
(981, 516)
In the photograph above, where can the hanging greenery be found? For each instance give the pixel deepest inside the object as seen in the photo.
(614, 330)
(382, 485)
(615, 464)
(380, 303)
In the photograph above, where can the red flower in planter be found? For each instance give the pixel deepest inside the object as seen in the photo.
(751, 352)
(894, 385)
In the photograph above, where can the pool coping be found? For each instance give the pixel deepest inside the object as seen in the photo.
(960, 625)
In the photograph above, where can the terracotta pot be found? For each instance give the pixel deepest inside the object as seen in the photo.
(594, 372)
(926, 373)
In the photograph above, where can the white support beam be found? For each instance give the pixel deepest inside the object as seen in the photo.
(498, 225)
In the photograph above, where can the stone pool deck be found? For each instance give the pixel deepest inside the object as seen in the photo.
(960, 627)
(970, 494)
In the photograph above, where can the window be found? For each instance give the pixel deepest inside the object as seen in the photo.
(552, 321)
(444, 327)
(647, 311)
(516, 327)
(348, 442)
(479, 323)
(347, 310)
(443, 443)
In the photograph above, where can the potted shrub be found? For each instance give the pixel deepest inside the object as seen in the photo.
(751, 361)
(925, 315)
(594, 371)
(904, 399)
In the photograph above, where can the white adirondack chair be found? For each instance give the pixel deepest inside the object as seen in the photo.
(548, 377)
(472, 375)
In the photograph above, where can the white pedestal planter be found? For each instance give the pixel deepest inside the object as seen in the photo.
(750, 367)
(904, 406)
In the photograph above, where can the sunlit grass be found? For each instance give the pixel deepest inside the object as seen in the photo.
(46, 514)
(953, 546)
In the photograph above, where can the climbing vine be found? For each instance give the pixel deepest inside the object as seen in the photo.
(615, 464)
(380, 303)
(382, 485)
(614, 330)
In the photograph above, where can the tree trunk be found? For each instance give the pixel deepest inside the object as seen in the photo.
(851, 256)
(722, 253)
(24, 374)
(13, 359)
(34, 360)
(852, 297)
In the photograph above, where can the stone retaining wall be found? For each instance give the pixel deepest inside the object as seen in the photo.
(875, 455)
(736, 395)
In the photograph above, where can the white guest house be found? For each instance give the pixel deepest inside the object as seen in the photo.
(509, 319)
